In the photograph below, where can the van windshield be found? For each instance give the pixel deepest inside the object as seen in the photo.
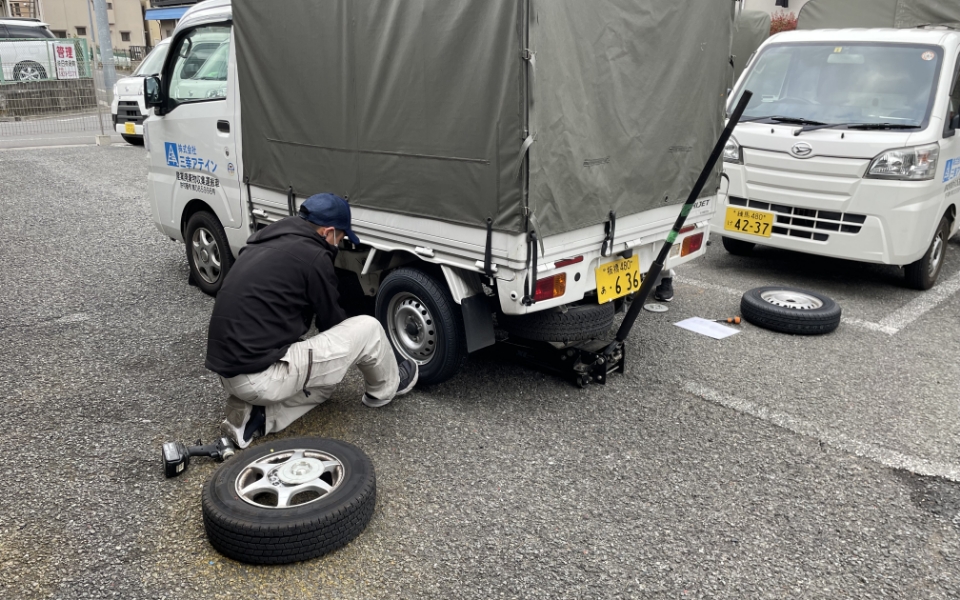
(833, 85)
(152, 64)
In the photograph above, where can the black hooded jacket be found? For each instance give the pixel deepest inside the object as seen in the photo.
(282, 279)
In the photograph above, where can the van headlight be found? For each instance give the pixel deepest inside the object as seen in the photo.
(906, 164)
(731, 152)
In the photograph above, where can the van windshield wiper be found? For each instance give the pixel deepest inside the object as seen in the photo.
(881, 126)
(796, 120)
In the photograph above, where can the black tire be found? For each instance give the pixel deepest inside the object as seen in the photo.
(786, 310)
(737, 247)
(245, 528)
(136, 140)
(29, 71)
(423, 323)
(923, 274)
(207, 271)
(581, 322)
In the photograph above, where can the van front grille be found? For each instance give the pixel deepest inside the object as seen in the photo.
(805, 223)
(129, 112)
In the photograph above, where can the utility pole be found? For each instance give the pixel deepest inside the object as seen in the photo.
(106, 45)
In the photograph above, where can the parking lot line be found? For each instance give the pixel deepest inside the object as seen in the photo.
(889, 325)
(888, 458)
(923, 304)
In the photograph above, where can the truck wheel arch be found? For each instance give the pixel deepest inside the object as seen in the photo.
(193, 207)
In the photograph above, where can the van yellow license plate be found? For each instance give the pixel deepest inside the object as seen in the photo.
(745, 220)
(618, 278)
(130, 128)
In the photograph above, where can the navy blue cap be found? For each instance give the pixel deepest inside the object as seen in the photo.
(328, 210)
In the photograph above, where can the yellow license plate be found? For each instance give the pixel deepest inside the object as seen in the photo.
(130, 128)
(745, 220)
(617, 279)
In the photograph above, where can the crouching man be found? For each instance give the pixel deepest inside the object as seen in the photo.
(282, 281)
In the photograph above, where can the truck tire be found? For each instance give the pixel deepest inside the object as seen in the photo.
(208, 252)
(737, 247)
(922, 275)
(581, 322)
(289, 500)
(790, 311)
(423, 323)
(135, 140)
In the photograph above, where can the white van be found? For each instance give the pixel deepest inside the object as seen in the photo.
(127, 106)
(471, 197)
(848, 148)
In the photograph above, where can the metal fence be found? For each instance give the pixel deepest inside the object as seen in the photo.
(51, 86)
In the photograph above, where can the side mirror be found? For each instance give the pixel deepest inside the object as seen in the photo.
(952, 126)
(151, 91)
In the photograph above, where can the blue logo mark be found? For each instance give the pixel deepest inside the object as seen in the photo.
(173, 159)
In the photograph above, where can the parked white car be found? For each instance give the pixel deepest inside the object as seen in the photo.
(26, 50)
(848, 148)
(127, 106)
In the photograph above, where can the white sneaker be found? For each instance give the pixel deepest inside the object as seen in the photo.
(236, 434)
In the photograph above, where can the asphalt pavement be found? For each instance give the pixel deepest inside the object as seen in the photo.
(760, 466)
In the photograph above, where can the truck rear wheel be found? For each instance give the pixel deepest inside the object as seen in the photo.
(922, 275)
(423, 323)
(576, 323)
(208, 252)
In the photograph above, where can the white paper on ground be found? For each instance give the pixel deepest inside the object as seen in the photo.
(706, 327)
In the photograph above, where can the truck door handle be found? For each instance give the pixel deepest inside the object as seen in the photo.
(223, 126)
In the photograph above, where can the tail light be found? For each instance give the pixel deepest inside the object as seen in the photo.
(551, 287)
(691, 244)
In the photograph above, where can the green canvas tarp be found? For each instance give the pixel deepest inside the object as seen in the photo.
(836, 14)
(751, 29)
(419, 107)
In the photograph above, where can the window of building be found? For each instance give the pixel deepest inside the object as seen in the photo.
(81, 31)
(124, 36)
(109, 5)
(60, 33)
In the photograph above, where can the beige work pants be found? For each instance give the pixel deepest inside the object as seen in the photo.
(309, 372)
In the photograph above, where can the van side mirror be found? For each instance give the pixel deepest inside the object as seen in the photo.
(151, 91)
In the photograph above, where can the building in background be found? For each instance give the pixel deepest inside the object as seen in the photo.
(163, 15)
(71, 19)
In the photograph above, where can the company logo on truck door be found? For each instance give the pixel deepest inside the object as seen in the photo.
(951, 169)
(185, 157)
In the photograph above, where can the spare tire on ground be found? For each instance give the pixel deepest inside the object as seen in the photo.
(789, 310)
(574, 324)
(289, 500)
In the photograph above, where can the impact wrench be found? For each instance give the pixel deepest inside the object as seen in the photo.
(176, 455)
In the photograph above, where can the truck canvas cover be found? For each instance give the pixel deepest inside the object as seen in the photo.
(429, 107)
(836, 14)
(751, 29)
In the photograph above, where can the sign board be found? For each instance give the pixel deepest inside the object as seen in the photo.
(66, 58)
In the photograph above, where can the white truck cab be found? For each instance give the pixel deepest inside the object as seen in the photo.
(439, 276)
(848, 148)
